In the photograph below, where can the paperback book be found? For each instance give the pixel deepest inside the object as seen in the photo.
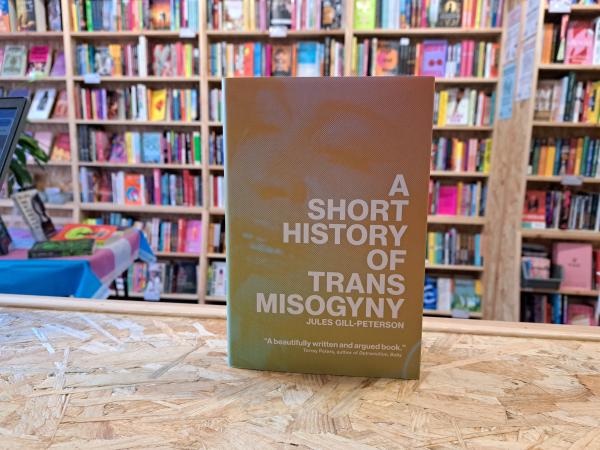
(326, 246)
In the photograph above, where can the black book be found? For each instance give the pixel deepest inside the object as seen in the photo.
(5, 239)
(450, 14)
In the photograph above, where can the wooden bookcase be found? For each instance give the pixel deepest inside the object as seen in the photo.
(78, 210)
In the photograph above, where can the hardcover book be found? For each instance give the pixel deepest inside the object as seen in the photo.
(450, 13)
(326, 235)
(575, 258)
(387, 58)
(434, 58)
(61, 249)
(61, 150)
(39, 60)
(25, 15)
(15, 61)
(42, 104)
(99, 233)
(233, 15)
(281, 13)
(364, 14)
(580, 43)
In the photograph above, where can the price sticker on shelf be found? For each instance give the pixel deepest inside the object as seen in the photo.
(460, 313)
(91, 78)
(186, 33)
(559, 6)
(278, 32)
(571, 180)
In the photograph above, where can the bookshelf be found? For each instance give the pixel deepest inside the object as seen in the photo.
(203, 81)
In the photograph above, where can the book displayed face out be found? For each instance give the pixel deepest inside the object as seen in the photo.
(327, 188)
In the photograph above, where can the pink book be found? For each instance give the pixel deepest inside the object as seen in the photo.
(193, 236)
(576, 261)
(580, 42)
(447, 198)
(578, 314)
(157, 185)
(268, 60)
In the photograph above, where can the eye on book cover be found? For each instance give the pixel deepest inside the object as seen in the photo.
(327, 189)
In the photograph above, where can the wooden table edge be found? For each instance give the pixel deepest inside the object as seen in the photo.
(430, 324)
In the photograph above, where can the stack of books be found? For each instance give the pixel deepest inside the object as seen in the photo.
(217, 191)
(459, 199)
(37, 61)
(568, 100)
(453, 248)
(216, 236)
(562, 209)
(463, 107)
(175, 278)
(564, 156)
(571, 41)
(30, 15)
(461, 155)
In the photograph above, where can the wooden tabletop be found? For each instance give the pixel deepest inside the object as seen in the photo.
(71, 378)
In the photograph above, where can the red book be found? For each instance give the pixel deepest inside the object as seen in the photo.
(248, 59)
(580, 42)
(580, 314)
(575, 258)
(181, 232)
(534, 209)
(134, 194)
(597, 267)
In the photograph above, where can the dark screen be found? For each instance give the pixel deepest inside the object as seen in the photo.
(7, 118)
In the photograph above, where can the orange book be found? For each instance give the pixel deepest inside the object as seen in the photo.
(542, 161)
(547, 43)
(578, 156)
(134, 192)
(99, 233)
(459, 198)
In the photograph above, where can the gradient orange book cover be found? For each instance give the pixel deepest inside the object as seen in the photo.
(327, 188)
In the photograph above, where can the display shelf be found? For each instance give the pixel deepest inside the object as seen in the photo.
(289, 34)
(455, 220)
(133, 34)
(560, 178)
(575, 292)
(8, 203)
(133, 123)
(50, 164)
(442, 32)
(567, 235)
(579, 10)
(147, 209)
(117, 165)
(215, 124)
(466, 80)
(177, 255)
(135, 79)
(456, 174)
(453, 268)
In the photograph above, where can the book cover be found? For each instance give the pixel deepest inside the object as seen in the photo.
(160, 14)
(42, 104)
(465, 296)
(364, 14)
(45, 140)
(281, 13)
(534, 209)
(430, 294)
(580, 314)
(15, 61)
(447, 201)
(282, 60)
(387, 58)
(103, 61)
(134, 193)
(158, 105)
(309, 64)
(457, 109)
(450, 13)
(99, 233)
(233, 15)
(580, 43)
(4, 17)
(543, 99)
(186, 278)
(193, 236)
(25, 15)
(151, 147)
(61, 249)
(433, 62)
(575, 258)
(61, 106)
(39, 60)
(32, 210)
(54, 15)
(301, 299)
(58, 68)
(61, 150)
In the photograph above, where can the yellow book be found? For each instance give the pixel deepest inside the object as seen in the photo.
(115, 53)
(158, 105)
(189, 58)
(129, 148)
(596, 112)
(478, 14)
(459, 197)
(459, 158)
(487, 157)
(578, 155)
(442, 109)
(541, 169)
(354, 56)
(550, 156)
(252, 15)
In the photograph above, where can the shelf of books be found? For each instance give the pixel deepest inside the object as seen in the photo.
(145, 116)
(560, 250)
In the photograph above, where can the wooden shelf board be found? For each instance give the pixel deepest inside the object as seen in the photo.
(456, 220)
(171, 296)
(142, 208)
(265, 34)
(215, 298)
(217, 211)
(215, 124)
(581, 9)
(48, 121)
(130, 34)
(440, 313)
(42, 79)
(8, 203)
(548, 124)
(216, 167)
(559, 67)
(559, 178)
(176, 255)
(553, 234)
(117, 165)
(31, 35)
(454, 267)
(456, 174)
(431, 32)
(51, 164)
(566, 291)
(129, 123)
(216, 255)
(148, 79)
(467, 80)
(462, 128)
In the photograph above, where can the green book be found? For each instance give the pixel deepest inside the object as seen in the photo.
(59, 249)
(364, 14)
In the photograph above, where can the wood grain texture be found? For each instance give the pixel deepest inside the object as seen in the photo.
(89, 380)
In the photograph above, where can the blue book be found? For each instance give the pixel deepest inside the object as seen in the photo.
(430, 296)
(308, 59)
(257, 59)
(151, 148)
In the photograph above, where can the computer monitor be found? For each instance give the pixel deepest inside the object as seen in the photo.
(13, 111)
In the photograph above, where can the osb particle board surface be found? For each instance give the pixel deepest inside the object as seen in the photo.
(107, 381)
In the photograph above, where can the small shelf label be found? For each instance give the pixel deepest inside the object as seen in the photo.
(278, 32)
(91, 78)
(571, 180)
(186, 33)
(559, 6)
(460, 313)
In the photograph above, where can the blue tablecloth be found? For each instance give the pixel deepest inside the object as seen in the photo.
(85, 277)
